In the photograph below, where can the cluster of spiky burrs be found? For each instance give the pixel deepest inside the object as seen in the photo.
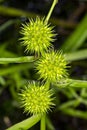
(51, 65)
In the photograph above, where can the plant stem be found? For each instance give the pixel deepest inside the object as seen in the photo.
(13, 12)
(51, 10)
(77, 38)
(7, 24)
(15, 69)
(78, 55)
(68, 104)
(17, 60)
(75, 113)
(72, 83)
(47, 84)
(43, 123)
(26, 124)
(49, 124)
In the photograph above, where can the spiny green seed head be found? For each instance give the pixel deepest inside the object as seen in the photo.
(37, 36)
(52, 66)
(36, 99)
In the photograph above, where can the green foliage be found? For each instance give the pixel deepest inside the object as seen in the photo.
(77, 38)
(37, 99)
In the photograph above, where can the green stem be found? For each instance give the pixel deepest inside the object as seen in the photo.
(14, 93)
(78, 55)
(26, 124)
(43, 123)
(75, 113)
(77, 38)
(82, 54)
(70, 103)
(47, 84)
(51, 10)
(72, 83)
(12, 12)
(17, 60)
(15, 12)
(15, 69)
(49, 124)
(7, 24)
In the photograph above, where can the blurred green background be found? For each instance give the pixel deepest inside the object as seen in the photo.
(70, 20)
